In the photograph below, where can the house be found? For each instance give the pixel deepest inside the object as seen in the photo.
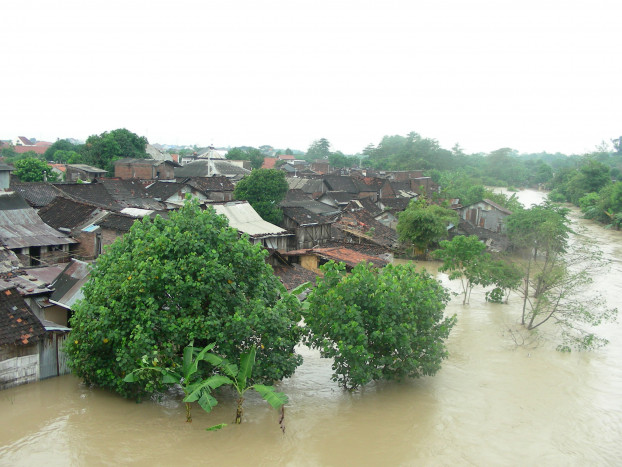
(33, 284)
(23, 141)
(173, 194)
(245, 220)
(313, 187)
(217, 188)
(78, 219)
(157, 154)
(298, 199)
(112, 194)
(321, 166)
(37, 194)
(391, 207)
(30, 349)
(115, 225)
(269, 162)
(310, 229)
(145, 169)
(83, 172)
(486, 214)
(337, 199)
(363, 203)
(342, 183)
(68, 289)
(360, 227)
(291, 275)
(211, 168)
(373, 187)
(311, 259)
(22, 230)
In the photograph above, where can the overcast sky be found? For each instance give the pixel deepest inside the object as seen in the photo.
(533, 75)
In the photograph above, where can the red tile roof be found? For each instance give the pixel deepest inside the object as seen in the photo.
(269, 162)
(35, 149)
(340, 254)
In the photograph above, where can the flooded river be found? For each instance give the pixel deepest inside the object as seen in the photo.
(492, 403)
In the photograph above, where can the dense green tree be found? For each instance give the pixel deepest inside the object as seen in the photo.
(339, 160)
(172, 281)
(33, 169)
(255, 156)
(68, 157)
(378, 324)
(319, 149)
(423, 224)
(591, 177)
(264, 189)
(465, 258)
(60, 145)
(102, 150)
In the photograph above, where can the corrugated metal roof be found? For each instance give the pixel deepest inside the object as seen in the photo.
(20, 228)
(68, 285)
(245, 219)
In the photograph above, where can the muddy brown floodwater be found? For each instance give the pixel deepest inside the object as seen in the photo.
(492, 403)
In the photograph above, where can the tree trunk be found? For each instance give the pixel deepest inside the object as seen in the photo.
(188, 416)
(239, 411)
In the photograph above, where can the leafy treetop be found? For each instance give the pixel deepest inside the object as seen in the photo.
(172, 281)
(264, 189)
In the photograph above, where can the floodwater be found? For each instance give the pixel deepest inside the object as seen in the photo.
(493, 403)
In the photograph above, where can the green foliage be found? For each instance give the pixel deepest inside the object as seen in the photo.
(556, 273)
(378, 324)
(171, 281)
(64, 146)
(102, 150)
(199, 389)
(187, 376)
(495, 295)
(319, 149)
(68, 157)
(239, 377)
(255, 156)
(542, 228)
(423, 224)
(34, 170)
(264, 189)
(465, 258)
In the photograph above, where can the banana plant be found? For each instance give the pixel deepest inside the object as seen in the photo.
(195, 388)
(238, 378)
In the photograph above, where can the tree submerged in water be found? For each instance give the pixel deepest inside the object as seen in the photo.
(172, 281)
(378, 324)
(558, 271)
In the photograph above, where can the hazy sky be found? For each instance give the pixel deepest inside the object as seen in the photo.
(533, 75)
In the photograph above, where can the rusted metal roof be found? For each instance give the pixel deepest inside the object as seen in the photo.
(340, 254)
(21, 227)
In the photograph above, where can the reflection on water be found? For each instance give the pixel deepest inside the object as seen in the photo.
(493, 403)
